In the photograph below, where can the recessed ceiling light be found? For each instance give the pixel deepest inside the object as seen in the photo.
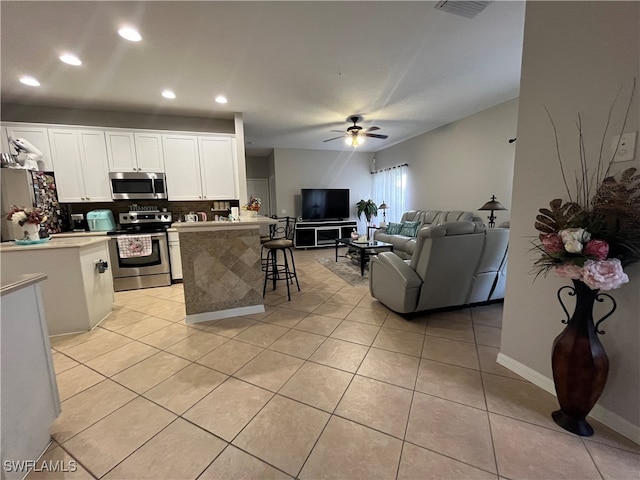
(130, 34)
(27, 80)
(70, 58)
(168, 94)
(221, 99)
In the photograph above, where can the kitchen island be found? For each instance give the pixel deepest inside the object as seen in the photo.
(221, 268)
(77, 294)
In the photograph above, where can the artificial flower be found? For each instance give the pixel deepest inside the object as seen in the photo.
(598, 249)
(604, 274)
(552, 242)
(568, 270)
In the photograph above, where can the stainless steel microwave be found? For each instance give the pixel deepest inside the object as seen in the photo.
(137, 186)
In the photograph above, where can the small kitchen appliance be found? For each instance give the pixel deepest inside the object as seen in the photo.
(153, 270)
(78, 222)
(101, 220)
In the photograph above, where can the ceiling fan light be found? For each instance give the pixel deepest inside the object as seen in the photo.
(354, 140)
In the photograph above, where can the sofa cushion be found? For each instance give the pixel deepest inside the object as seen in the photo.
(393, 228)
(410, 229)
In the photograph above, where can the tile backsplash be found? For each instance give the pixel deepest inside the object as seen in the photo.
(177, 209)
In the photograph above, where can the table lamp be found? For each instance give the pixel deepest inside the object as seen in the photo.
(492, 205)
(383, 206)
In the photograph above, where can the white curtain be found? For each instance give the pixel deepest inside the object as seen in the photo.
(390, 187)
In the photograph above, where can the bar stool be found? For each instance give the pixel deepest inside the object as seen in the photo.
(275, 271)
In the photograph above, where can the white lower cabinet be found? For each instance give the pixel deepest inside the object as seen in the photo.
(80, 164)
(174, 256)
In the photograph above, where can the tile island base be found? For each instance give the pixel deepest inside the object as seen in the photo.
(221, 268)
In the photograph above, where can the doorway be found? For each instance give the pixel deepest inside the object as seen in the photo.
(260, 188)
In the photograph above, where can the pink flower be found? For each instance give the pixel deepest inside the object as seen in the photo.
(599, 249)
(569, 270)
(552, 242)
(604, 274)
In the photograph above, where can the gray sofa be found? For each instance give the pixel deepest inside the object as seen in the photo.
(453, 264)
(404, 246)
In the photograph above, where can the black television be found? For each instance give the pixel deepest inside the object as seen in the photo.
(325, 203)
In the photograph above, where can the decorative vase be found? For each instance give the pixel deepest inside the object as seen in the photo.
(579, 362)
(31, 231)
(252, 213)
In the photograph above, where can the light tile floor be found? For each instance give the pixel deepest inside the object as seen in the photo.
(329, 385)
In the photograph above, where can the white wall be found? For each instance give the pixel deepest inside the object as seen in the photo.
(296, 169)
(459, 166)
(576, 57)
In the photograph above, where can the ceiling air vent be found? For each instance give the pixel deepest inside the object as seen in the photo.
(462, 8)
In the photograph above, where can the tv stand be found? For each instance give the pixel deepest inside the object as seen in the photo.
(322, 233)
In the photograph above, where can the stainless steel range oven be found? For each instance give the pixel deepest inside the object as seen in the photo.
(152, 269)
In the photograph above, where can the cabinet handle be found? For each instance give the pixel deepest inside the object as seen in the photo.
(88, 198)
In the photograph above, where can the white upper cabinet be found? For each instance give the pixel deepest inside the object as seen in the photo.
(36, 136)
(218, 168)
(200, 168)
(149, 152)
(80, 165)
(134, 152)
(121, 151)
(182, 165)
(95, 166)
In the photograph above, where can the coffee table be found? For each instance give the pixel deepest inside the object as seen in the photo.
(365, 249)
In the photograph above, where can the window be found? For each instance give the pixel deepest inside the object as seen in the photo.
(390, 187)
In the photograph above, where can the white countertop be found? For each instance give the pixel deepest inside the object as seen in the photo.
(17, 282)
(244, 222)
(78, 234)
(54, 243)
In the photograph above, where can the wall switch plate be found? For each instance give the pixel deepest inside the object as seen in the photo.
(626, 147)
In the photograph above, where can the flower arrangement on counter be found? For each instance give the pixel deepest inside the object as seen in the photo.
(254, 204)
(591, 238)
(20, 216)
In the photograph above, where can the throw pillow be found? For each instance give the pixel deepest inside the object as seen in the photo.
(409, 229)
(393, 228)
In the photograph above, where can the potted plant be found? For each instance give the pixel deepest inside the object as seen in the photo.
(369, 208)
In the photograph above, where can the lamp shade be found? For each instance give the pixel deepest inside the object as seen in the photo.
(493, 204)
(383, 206)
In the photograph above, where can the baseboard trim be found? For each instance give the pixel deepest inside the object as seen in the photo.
(220, 314)
(610, 419)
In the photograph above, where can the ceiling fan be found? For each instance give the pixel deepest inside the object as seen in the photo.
(356, 134)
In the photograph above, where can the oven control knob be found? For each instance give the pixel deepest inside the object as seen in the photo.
(124, 217)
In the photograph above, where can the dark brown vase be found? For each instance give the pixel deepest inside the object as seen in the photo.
(580, 364)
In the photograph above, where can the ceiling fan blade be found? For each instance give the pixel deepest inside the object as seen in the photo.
(339, 131)
(376, 135)
(335, 138)
(372, 129)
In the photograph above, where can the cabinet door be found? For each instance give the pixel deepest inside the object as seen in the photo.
(95, 165)
(218, 168)
(121, 151)
(4, 140)
(65, 153)
(149, 152)
(182, 167)
(38, 137)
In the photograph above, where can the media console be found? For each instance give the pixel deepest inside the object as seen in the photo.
(322, 233)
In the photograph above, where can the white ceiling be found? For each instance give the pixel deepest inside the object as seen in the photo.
(295, 69)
